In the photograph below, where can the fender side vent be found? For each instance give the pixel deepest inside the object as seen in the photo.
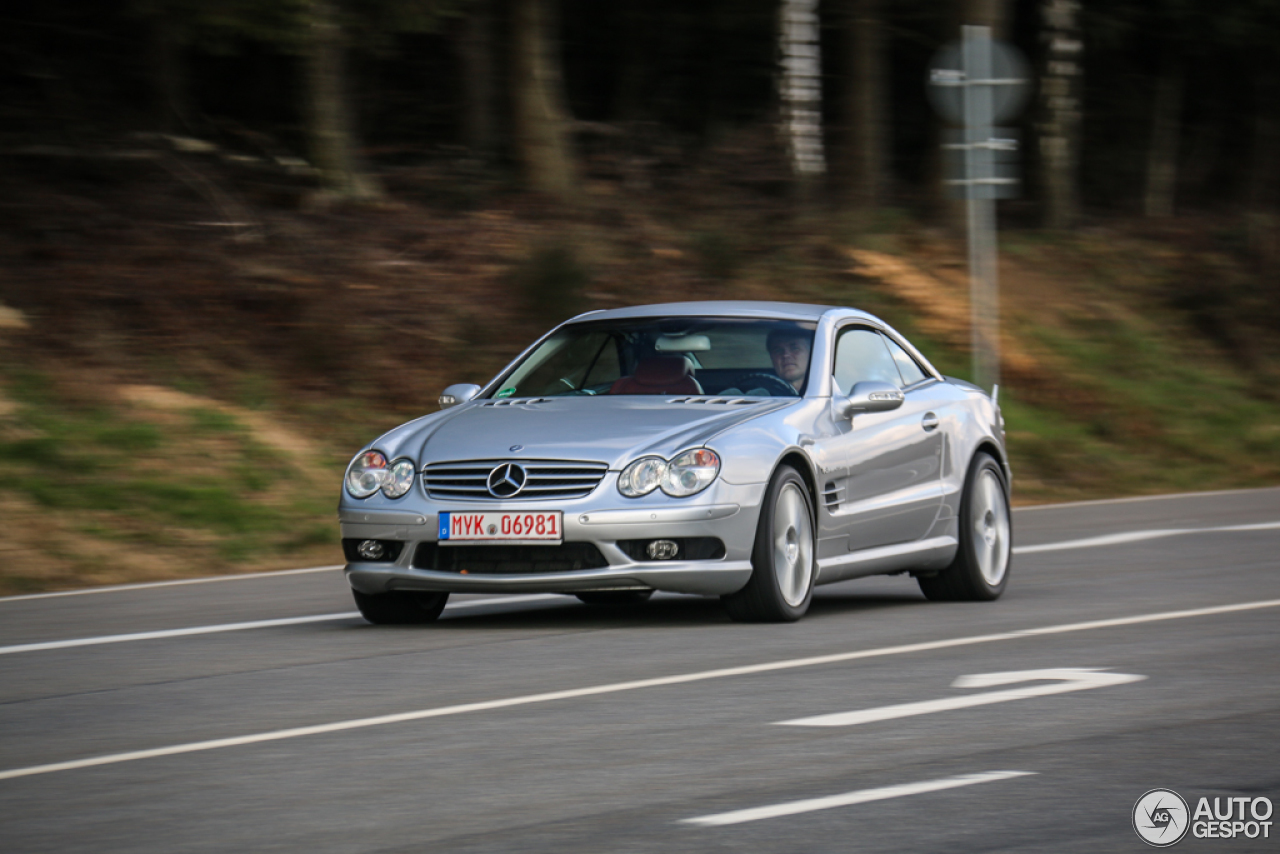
(832, 495)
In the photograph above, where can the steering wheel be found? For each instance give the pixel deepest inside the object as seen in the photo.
(774, 384)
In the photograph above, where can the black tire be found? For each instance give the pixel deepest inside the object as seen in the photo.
(616, 598)
(980, 570)
(400, 608)
(784, 559)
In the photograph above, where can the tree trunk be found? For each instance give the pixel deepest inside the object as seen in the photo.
(541, 121)
(1162, 157)
(1266, 142)
(330, 130)
(1263, 222)
(801, 87)
(476, 49)
(865, 150)
(168, 74)
(1060, 102)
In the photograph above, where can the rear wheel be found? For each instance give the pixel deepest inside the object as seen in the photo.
(980, 569)
(400, 607)
(616, 598)
(781, 584)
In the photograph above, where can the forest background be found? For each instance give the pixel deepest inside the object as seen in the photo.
(241, 238)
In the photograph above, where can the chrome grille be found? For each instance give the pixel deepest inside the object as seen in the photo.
(469, 479)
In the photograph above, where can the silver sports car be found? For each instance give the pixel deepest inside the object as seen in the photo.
(746, 450)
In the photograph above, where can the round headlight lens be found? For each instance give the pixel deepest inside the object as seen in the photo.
(642, 477)
(366, 474)
(398, 479)
(691, 472)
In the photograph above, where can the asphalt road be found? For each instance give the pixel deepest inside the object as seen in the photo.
(205, 717)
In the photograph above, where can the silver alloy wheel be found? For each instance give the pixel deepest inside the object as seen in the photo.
(792, 545)
(990, 520)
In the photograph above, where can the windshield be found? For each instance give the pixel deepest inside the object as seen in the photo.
(673, 356)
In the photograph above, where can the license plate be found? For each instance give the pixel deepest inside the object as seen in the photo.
(545, 527)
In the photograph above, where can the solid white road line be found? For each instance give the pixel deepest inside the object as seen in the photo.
(617, 687)
(146, 585)
(254, 624)
(175, 633)
(1135, 499)
(1139, 536)
(848, 799)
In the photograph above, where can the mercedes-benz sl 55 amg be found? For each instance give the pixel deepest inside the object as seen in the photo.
(745, 450)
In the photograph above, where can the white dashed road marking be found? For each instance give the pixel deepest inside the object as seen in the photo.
(849, 799)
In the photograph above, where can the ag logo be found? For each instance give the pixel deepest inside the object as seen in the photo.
(1161, 818)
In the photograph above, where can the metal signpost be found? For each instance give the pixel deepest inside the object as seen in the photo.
(978, 83)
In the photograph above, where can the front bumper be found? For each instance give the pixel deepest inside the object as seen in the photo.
(725, 511)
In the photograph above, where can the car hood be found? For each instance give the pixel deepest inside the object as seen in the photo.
(613, 430)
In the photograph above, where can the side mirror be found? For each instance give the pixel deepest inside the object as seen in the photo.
(869, 396)
(457, 393)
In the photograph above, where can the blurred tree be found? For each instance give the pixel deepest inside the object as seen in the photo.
(1166, 131)
(331, 132)
(541, 119)
(476, 51)
(174, 27)
(1061, 104)
(864, 152)
(322, 32)
(801, 87)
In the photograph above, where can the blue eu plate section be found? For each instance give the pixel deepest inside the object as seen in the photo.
(444, 526)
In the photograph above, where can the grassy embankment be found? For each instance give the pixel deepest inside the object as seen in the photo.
(150, 432)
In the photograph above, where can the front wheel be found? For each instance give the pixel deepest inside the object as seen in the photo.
(783, 561)
(980, 569)
(400, 607)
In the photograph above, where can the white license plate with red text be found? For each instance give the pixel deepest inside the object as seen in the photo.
(544, 527)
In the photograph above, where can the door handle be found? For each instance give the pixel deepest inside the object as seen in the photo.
(930, 422)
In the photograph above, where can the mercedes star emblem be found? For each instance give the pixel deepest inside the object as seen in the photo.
(507, 480)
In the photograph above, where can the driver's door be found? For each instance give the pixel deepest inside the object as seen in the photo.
(884, 475)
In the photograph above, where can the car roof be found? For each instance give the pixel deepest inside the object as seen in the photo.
(723, 308)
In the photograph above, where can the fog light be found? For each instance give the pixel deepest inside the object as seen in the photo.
(662, 550)
(371, 550)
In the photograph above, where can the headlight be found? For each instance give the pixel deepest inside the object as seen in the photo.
(642, 476)
(687, 474)
(398, 479)
(690, 472)
(366, 474)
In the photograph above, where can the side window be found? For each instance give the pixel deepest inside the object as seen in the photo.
(861, 355)
(911, 371)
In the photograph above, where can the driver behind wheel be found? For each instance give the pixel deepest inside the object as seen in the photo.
(789, 351)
